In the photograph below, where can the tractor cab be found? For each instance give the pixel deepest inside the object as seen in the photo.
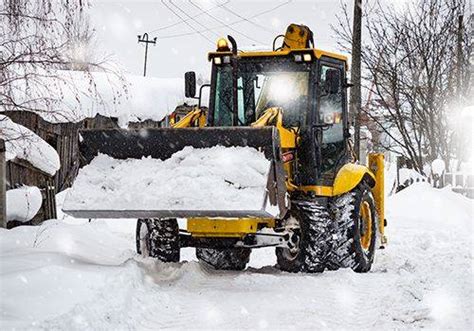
(307, 85)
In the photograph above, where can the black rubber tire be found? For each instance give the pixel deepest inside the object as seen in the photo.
(315, 239)
(224, 259)
(347, 250)
(158, 239)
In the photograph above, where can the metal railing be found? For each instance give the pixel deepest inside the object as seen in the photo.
(460, 182)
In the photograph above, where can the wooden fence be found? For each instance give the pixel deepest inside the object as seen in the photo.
(64, 138)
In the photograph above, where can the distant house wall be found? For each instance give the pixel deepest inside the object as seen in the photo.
(100, 122)
(147, 124)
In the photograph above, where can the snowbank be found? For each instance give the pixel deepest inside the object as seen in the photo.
(46, 270)
(23, 203)
(217, 178)
(432, 208)
(80, 95)
(23, 143)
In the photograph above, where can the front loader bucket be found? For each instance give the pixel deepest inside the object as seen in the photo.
(91, 197)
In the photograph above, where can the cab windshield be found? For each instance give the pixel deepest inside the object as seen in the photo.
(262, 84)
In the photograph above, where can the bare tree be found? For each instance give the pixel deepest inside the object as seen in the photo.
(82, 46)
(409, 66)
(37, 39)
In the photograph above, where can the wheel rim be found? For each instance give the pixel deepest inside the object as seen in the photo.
(143, 239)
(365, 226)
(291, 223)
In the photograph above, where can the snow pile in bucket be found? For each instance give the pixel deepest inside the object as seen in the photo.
(217, 178)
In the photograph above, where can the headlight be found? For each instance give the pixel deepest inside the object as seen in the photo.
(298, 58)
(307, 57)
(217, 60)
(328, 118)
(282, 88)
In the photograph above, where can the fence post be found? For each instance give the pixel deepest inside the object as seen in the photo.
(3, 186)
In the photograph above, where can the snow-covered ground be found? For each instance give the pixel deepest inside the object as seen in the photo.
(72, 274)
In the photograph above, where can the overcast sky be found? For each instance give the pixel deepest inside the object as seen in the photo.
(250, 22)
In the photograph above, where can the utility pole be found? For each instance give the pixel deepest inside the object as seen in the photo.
(355, 102)
(144, 39)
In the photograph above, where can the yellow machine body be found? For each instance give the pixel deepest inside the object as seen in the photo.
(195, 118)
(377, 166)
(230, 228)
(297, 39)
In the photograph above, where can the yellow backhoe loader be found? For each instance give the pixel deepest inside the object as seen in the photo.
(291, 104)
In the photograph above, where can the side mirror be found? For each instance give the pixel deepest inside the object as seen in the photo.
(190, 84)
(333, 81)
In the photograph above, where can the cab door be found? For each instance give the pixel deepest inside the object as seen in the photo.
(331, 118)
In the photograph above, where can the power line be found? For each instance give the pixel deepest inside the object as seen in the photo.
(225, 24)
(246, 19)
(189, 19)
(187, 23)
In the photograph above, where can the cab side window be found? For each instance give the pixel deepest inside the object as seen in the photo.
(330, 115)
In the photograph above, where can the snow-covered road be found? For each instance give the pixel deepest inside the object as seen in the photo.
(87, 276)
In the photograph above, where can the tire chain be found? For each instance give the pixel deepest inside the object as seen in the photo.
(320, 223)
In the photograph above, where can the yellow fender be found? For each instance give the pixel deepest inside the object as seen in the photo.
(349, 176)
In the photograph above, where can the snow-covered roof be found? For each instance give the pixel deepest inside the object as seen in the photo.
(23, 143)
(78, 95)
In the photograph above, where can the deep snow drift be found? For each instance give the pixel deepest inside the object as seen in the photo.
(217, 178)
(72, 274)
